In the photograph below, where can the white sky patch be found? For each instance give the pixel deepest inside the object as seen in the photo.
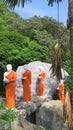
(29, 11)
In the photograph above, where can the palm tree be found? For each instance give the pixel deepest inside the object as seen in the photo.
(13, 3)
(70, 26)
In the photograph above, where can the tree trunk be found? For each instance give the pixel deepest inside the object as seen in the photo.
(67, 111)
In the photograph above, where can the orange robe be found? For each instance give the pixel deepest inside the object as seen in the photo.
(61, 92)
(26, 86)
(10, 89)
(42, 76)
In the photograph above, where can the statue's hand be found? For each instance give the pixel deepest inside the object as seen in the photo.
(58, 88)
(62, 92)
(5, 80)
(39, 77)
(42, 82)
(23, 78)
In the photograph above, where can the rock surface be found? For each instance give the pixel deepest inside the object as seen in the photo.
(50, 116)
(51, 83)
(41, 114)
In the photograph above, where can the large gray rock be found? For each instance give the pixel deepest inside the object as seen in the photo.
(22, 124)
(50, 116)
(45, 113)
(51, 83)
(4, 125)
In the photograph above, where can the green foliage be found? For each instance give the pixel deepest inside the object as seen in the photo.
(23, 41)
(68, 84)
(8, 114)
(17, 50)
(15, 47)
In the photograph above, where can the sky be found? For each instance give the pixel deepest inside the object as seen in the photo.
(41, 8)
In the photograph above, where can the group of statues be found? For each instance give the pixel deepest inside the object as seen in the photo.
(10, 79)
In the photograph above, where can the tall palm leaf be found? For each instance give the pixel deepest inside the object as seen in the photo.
(50, 2)
(70, 26)
(13, 3)
(57, 60)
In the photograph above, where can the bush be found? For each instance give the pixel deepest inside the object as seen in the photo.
(8, 114)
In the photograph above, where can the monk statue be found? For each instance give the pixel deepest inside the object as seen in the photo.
(9, 81)
(26, 82)
(41, 79)
(61, 91)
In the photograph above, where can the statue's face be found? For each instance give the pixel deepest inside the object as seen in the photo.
(25, 67)
(41, 68)
(61, 81)
(9, 67)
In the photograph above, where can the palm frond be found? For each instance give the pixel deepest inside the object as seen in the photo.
(56, 62)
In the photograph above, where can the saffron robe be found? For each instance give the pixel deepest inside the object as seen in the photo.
(10, 89)
(26, 86)
(41, 78)
(61, 92)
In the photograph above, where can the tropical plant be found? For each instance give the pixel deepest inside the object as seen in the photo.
(8, 114)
